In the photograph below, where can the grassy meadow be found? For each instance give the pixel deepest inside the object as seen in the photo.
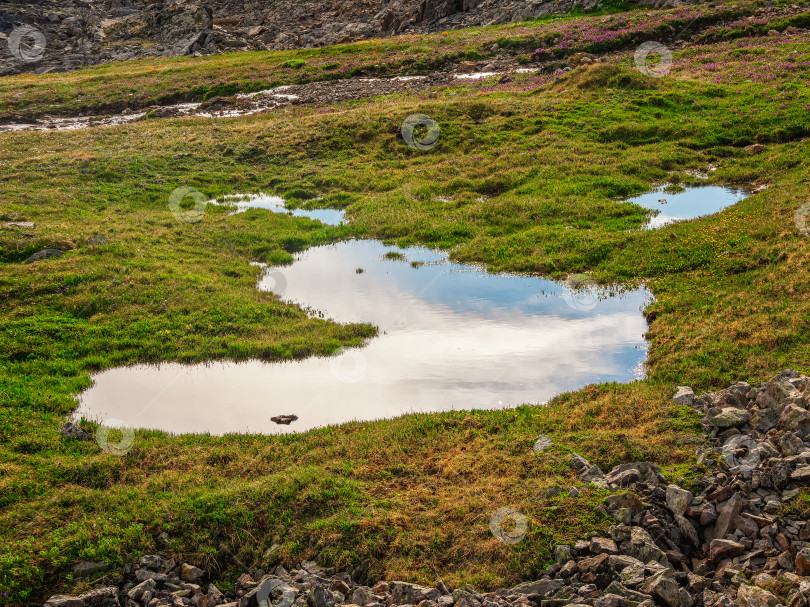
(528, 176)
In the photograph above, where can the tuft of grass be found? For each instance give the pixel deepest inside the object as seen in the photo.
(394, 255)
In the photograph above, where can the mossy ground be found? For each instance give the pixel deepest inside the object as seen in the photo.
(527, 182)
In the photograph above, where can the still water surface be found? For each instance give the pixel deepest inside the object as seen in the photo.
(689, 204)
(451, 336)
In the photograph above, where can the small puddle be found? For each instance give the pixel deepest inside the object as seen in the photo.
(246, 104)
(477, 75)
(451, 336)
(691, 203)
(243, 202)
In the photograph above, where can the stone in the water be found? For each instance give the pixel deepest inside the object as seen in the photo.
(284, 419)
(44, 254)
(543, 442)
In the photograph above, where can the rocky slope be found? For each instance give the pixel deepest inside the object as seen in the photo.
(66, 34)
(737, 538)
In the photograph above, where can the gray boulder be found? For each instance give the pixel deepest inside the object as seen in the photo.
(678, 500)
(44, 254)
(728, 417)
(88, 568)
(684, 396)
(100, 597)
(541, 587)
(751, 596)
(542, 443)
(663, 588)
(71, 430)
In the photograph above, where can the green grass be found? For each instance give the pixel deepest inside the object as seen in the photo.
(155, 80)
(526, 182)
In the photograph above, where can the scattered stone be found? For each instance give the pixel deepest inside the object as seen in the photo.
(755, 148)
(678, 500)
(106, 596)
(579, 463)
(153, 562)
(663, 587)
(623, 478)
(271, 555)
(730, 537)
(752, 596)
(791, 444)
(21, 224)
(190, 573)
(802, 562)
(44, 254)
(592, 474)
(362, 596)
(601, 545)
(725, 515)
(88, 568)
(543, 442)
(729, 417)
(147, 586)
(61, 600)
(801, 475)
(724, 549)
(71, 430)
(213, 597)
(793, 417)
(684, 396)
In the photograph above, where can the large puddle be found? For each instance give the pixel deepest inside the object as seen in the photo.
(451, 336)
(689, 204)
